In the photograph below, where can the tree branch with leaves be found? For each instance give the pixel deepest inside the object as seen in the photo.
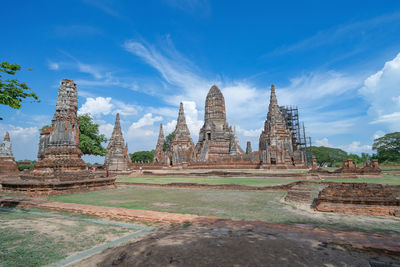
(12, 91)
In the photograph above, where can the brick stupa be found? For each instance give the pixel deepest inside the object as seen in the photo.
(60, 168)
(7, 162)
(160, 156)
(275, 142)
(216, 137)
(59, 156)
(117, 157)
(182, 147)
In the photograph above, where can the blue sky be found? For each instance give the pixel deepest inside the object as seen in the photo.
(337, 61)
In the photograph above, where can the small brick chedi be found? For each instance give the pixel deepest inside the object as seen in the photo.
(60, 166)
(7, 162)
(275, 143)
(117, 157)
(216, 137)
(182, 147)
(160, 157)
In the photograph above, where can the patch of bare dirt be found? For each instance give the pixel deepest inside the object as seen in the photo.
(222, 246)
(61, 228)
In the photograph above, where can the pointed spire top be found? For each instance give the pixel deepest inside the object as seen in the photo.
(117, 121)
(273, 100)
(7, 137)
(181, 116)
(161, 133)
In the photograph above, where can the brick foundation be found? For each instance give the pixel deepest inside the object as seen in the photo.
(360, 198)
(45, 189)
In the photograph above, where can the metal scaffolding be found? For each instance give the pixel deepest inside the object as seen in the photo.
(298, 130)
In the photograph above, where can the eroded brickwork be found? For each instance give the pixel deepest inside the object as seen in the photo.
(182, 148)
(117, 157)
(216, 137)
(360, 198)
(7, 162)
(160, 156)
(59, 156)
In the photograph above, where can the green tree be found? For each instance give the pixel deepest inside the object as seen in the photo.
(366, 157)
(388, 148)
(328, 155)
(168, 141)
(25, 164)
(12, 91)
(90, 140)
(143, 156)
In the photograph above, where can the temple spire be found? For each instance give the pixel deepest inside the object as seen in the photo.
(273, 100)
(117, 158)
(117, 124)
(182, 147)
(182, 130)
(159, 154)
(161, 133)
(7, 137)
(181, 116)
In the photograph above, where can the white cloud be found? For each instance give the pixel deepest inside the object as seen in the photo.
(248, 133)
(323, 142)
(146, 120)
(90, 69)
(356, 147)
(97, 106)
(392, 118)
(327, 128)
(125, 109)
(317, 89)
(142, 135)
(192, 117)
(382, 91)
(54, 65)
(106, 129)
(353, 147)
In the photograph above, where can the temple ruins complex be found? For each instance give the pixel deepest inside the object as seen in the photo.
(117, 157)
(218, 145)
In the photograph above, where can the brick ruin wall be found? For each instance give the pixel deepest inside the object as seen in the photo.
(45, 189)
(360, 198)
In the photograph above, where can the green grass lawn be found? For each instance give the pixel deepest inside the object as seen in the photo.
(385, 179)
(248, 205)
(201, 180)
(34, 240)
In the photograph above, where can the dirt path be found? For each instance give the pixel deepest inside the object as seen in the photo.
(222, 245)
